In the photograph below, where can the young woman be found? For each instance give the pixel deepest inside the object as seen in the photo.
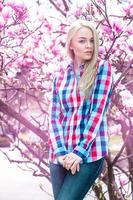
(78, 127)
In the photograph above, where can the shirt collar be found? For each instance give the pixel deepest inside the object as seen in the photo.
(81, 67)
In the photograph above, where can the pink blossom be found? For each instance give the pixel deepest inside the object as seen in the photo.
(11, 34)
(38, 85)
(19, 8)
(10, 3)
(129, 10)
(130, 31)
(52, 44)
(131, 47)
(100, 1)
(2, 23)
(107, 29)
(33, 76)
(102, 52)
(6, 13)
(49, 26)
(122, 182)
(78, 12)
(55, 51)
(1, 7)
(117, 27)
(36, 43)
(36, 40)
(62, 27)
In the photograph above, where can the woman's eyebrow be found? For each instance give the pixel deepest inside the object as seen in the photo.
(85, 37)
(82, 37)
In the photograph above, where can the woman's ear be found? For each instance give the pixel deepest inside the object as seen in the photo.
(70, 48)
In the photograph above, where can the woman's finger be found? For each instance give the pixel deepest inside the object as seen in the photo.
(67, 161)
(73, 171)
(78, 167)
(75, 168)
(74, 165)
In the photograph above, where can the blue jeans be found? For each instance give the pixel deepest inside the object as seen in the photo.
(74, 187)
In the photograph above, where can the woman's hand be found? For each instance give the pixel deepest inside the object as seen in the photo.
(72, 162)
(60, 159)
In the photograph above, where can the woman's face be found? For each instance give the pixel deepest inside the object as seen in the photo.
(82, 45)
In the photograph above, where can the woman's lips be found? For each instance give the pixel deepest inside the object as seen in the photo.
(88, 52)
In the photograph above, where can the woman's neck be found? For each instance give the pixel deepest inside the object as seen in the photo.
(77, 64)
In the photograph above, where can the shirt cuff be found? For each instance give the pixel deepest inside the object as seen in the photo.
(60, 151)
(80, 151)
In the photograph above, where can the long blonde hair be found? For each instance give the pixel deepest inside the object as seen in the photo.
(87, 80)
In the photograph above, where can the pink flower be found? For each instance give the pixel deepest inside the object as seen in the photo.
(11, 33)
(117, 27)
(107, 29)
(122, 182)
(100, 1)
(78, 12)
(102, 52)
(36, 43)
(19, 8)
(2, 23)
(53, 44)
(6, 13)
(131, 47)
(49, 26)
(55, 51)
(10, 3)
(130, 31)
(28, 62)
(129, 10)
(62, 27)
(16, 6)
(33, 76)
(1, 7)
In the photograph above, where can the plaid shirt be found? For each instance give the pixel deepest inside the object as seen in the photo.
(76, 124)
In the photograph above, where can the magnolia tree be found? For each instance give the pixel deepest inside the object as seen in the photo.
(32, 44)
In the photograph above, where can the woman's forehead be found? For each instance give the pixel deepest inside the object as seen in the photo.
(83, 32)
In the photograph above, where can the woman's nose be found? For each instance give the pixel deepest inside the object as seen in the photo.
(88, 44)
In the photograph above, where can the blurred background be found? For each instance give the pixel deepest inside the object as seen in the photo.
(32, 40)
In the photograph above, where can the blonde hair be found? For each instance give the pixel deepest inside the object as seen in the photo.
(87, 80)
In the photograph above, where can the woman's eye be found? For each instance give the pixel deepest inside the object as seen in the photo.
(92, 40)
(81, 41)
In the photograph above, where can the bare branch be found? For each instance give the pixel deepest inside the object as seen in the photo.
(57, 8)
(65, 5)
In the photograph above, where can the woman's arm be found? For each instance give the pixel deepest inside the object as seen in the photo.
(55, 127)
(100, 100)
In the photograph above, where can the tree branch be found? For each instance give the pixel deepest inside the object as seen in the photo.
(6, 109)
(57, 8)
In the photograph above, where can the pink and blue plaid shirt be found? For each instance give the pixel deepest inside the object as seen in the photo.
(76, 124)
